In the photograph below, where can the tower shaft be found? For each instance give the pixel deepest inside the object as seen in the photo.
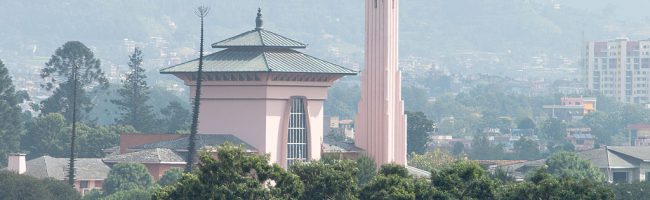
(381, 123)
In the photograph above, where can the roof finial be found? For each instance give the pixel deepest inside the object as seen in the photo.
(258, 22)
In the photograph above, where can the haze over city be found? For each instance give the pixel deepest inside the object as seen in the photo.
(325, 99)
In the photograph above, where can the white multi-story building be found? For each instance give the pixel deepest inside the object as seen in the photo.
(619, 68)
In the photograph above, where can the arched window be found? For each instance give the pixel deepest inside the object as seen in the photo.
(297, 134)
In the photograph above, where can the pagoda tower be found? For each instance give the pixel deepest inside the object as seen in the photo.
(264, 91)
(381, 123)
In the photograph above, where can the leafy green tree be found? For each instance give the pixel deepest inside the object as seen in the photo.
(458, 148)
(175, 118)
(59, 79)
(603, 125)
(15, 186)
(418, 130)
(566, 164)
(415, 98)
(394, 182)
(367, 169)
(431, 160)
(526, 123)
(131, 194)
(343, 100)
(170, 177)
(93, 140)
(47, 135)
(235, 175)
(636, 190)
(11, 125)
(554, 129)
(93, 195)
(134, 96)
(483, 149)
(464, 180)
(542, 185)
(127, 176)
(526, 149)
(335, 180)
(504, 124)
(560, 146)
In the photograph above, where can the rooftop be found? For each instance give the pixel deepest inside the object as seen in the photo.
(49, 167)
(260, 60)
(259, 37)
(156, 155)
(583, 136)
(203, 141)
(260, 50)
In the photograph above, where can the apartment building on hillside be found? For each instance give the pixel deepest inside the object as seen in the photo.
(619, 68)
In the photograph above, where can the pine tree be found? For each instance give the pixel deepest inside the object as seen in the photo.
(77, 66)
(201, 12)
(134, 95)
(11, 125)
(59, 76)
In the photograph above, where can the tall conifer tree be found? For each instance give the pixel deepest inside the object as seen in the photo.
(59, 76)
(134, 95)
(11, 126)
(201, 12)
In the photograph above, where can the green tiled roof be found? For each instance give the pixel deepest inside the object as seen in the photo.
(259, 38)
(260, 60)
(260, 50)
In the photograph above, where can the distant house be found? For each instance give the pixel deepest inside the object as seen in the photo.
(523, 132)
(343, 149)
(335, 125)
(162, 152)
(582, 142)
(571, 109)
(157, 160)
(639, 134)
(89, 175)
(619, 164)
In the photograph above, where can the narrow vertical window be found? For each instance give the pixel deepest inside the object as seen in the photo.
(376, 3)
(297, 139)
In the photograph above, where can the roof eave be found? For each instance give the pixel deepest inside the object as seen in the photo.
(218, 46)
(341, 73)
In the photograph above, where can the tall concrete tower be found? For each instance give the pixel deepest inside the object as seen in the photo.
(381, 123)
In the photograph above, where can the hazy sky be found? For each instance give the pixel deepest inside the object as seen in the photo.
(623, 9)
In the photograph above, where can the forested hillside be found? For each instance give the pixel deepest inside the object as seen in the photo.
(429, 28)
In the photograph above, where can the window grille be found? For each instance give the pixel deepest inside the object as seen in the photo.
(297, 132)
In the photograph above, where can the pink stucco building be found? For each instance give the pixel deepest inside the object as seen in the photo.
(381, 123)
(265, 92)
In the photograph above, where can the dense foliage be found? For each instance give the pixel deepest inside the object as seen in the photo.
(566, 164)
(240, 175)
(59, 77)
(127, 176)
(431, 160)
(367, 169)
(170, 177)
(134, 96)
(542, 185)
(49, 135)
(333, 180)
(14, 186)
(11, 125)
(235, 175)
(419, 128)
